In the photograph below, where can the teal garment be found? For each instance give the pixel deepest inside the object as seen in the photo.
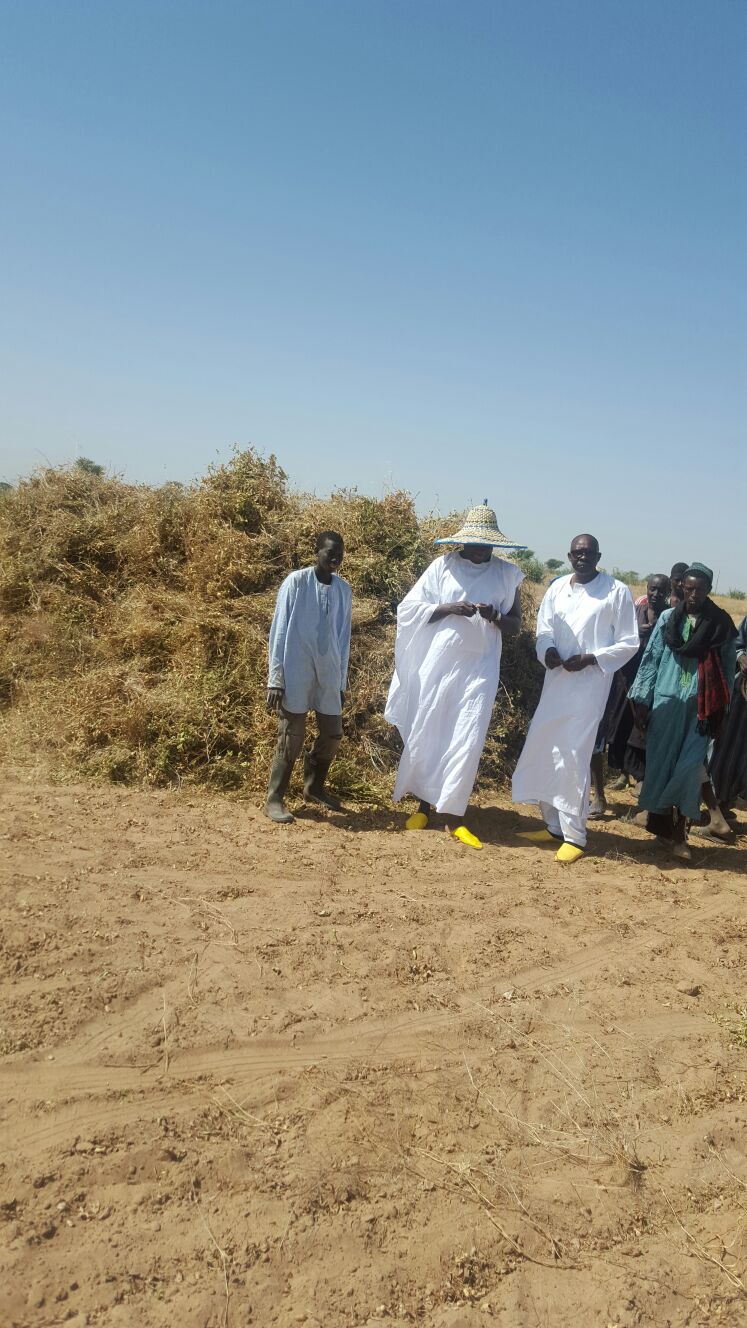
(675, 751)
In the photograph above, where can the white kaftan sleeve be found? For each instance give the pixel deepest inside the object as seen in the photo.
(513, 578)
(414, 634)
(545, 635)
(611, 658)
(279, 630)
(343, 636)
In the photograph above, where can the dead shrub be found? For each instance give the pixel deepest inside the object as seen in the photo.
(134, 623)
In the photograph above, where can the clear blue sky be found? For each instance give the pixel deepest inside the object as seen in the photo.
(484, 248)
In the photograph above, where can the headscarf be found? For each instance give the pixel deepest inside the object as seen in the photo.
(713, 625)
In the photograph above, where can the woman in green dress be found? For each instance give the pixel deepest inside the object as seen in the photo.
(680, 696)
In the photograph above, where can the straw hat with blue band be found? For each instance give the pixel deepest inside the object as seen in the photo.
(481, 527)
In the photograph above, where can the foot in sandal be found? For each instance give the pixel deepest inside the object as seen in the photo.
(569, 853)
(465, 836)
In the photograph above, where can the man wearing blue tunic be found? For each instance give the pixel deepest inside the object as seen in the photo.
(680, 697)
(309, 652)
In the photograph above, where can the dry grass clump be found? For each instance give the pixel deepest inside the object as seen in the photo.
(134, 623)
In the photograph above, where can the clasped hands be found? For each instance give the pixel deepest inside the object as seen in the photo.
(463, 609)
(574, 664)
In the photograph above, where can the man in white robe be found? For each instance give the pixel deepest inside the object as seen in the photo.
(308, 670)
(447, 664)
(586, 630)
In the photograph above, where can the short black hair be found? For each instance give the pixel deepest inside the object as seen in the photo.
(679, 569)
(333, 535)
(585, 535)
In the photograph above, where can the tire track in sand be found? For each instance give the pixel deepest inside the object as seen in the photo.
(34, 1080)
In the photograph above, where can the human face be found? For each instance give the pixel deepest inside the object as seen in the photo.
(696, 592)
(657, 590)
(476, 553)
(584, 554)
(677, 586)
(329, 557)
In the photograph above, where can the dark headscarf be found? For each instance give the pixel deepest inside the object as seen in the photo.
(713, 625)
(713, 628)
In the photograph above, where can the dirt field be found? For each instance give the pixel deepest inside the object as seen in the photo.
(331, 1074)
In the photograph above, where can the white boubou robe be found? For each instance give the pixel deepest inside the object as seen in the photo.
(446, 678)
(593, 619)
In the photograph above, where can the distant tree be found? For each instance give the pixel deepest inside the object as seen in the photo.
(5, 487)
(88, 467)
(534, 570)
(735, 593)
(524, 555)
(553, 564)
(630, 578)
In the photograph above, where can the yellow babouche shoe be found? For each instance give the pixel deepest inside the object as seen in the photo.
(569, 853)
(465, 836)
(537, 836)
(418, 821)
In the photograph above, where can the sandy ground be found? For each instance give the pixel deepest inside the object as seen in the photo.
(336, 1075)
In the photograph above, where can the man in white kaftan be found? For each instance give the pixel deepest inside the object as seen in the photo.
(309, 652)
(586, 630)
(447, 666)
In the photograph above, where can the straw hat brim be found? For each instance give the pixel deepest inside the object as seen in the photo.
(466, 536)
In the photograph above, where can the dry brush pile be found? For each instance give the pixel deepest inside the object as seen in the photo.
(134, 623)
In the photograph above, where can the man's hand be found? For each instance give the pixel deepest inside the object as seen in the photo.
(488, 612)
(461, 609)
(274, 699)
(552, 659)
(575, 663)
(642, 715)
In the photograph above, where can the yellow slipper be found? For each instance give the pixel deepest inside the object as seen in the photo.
(465, 836)
(537, 836)
(569, 853)
(418, 821)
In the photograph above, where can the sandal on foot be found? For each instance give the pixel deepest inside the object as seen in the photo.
(537, 836)
(465, 836)
(569, 853)
(418, 821)
(726, 836)
(681, 851)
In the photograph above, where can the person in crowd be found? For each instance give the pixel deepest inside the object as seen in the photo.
(626, 747)
(675, 582)
(586, 630)
(681, 694)
(450, 629)
(728, 769)
(676, 578)
(309, 652)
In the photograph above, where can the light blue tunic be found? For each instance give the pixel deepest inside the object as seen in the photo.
(675, 751)
(310, 642)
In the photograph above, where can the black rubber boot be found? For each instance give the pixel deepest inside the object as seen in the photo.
(277, 788)
(314, 774)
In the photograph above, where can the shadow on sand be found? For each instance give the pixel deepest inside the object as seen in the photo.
(498, 827)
